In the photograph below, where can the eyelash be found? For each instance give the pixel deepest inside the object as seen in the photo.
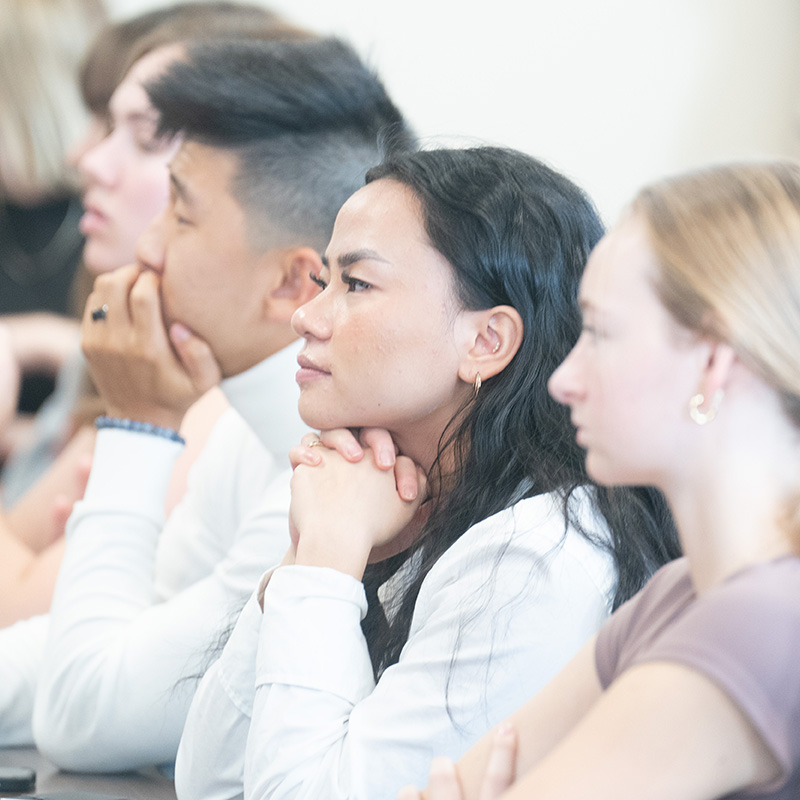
(354, 284)
(179, 220)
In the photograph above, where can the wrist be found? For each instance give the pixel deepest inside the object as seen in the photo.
(158, 417)
(345, 555)
(138, 426)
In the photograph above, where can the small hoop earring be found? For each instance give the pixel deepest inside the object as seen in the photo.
(478, 382)
(699, 416)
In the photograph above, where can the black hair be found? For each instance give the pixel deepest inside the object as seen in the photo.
(305, 118)
(515, 233)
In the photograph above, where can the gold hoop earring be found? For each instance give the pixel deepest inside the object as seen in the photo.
(478, 382)
(699, 416)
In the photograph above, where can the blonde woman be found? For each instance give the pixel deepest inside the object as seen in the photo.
(42, 43)
(686, 377)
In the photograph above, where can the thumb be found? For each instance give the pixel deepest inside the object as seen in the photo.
(196, 356)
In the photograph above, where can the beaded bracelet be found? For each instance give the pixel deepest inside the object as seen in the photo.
(139, 427)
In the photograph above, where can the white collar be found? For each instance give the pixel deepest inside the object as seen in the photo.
(266, 397)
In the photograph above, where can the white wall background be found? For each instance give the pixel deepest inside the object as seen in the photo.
(612, 92)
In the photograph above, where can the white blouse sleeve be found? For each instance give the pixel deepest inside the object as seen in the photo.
(497, 617)
(210, 761)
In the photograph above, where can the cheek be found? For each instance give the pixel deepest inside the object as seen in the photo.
(146, 196)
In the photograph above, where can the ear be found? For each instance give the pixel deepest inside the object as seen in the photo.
(291, 285)
(490, 339)
(717, 366)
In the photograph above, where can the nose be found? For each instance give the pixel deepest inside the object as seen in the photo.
(98, 161)
(312, 320)
(564, 385)
(95, 132)
(151, 245)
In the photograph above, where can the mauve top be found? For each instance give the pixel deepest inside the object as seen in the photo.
(744, 635)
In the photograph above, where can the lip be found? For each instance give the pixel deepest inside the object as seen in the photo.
(92, 221)
(309, 370)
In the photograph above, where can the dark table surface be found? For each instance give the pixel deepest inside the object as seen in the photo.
(147, 784)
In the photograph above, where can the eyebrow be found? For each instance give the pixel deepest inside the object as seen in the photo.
(346, 259)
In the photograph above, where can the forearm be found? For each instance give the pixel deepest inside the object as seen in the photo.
(42, 341)
(31, 518)
(105, 588)
(541, 724)
(28, 580)
(312, 670)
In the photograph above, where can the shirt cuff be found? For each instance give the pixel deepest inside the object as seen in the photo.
(131, 472)
(311, 632)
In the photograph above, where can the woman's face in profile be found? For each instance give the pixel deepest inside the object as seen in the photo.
(629, 378)
(126, 182)
(382, 337)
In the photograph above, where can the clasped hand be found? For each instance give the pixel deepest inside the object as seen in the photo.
(353, 500)
(499, 773)
(141, 370)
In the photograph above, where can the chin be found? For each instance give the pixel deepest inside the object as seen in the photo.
(600, 471)
(322, 419)
(608, 472)
(98, 262)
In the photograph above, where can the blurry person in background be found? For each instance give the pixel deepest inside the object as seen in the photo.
(31, 541)
(125, 185)
(124, 170)
(42, 44)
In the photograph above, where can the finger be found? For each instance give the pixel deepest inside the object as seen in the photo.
(145, 309)
(422, 483)
(196, 356)
(406, 478)
(61, 512)
(303, 454)
(382, 445)
(110, 290)
(83, 469)
(113, 289)
(443, 780)
(501, 766)
(343, 442)
(409, 793)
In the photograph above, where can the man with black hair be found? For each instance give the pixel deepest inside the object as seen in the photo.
(276, 137)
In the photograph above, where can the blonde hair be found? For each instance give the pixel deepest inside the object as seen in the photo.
(42, 43)
(120, 45)
(727, 240)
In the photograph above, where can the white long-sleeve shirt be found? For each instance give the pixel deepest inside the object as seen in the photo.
(291, 709)
(21, 650)
(140, 602)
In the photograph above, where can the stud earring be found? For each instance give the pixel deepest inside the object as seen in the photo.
(477, 385)
(496, 347)
(699, 416)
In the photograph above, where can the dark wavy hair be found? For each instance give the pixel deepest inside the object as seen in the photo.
(515, 233)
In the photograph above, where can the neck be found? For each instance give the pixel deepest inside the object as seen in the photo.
(271, 341)
(731, 506)
(420, 439)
